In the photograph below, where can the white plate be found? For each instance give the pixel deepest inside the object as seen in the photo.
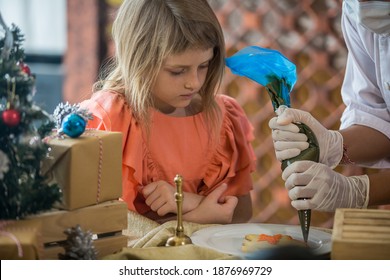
(228, 238)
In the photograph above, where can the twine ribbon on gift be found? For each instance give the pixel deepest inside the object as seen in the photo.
(100, 163)
(3, 225)
(55, 135)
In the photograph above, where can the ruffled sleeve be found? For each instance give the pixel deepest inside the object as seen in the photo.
(234, 160)
(111, 112)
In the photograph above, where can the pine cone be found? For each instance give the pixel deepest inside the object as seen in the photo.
(78, 245)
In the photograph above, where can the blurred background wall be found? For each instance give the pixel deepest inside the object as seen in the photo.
(74, 41)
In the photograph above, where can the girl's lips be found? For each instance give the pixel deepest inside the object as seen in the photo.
(187, 96)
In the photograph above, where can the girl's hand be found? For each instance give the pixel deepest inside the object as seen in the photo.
(214, 208)
(160, 197)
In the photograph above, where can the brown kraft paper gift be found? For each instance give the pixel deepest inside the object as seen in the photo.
(20, 240)
(88, 168)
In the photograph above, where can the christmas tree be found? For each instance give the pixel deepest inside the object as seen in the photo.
(23, 126)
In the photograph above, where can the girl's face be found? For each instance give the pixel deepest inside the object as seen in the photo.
(180, 79)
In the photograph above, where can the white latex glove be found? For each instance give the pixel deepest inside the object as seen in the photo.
(324, 188)
(288, 142)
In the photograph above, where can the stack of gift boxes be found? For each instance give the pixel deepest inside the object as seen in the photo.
(89, 171)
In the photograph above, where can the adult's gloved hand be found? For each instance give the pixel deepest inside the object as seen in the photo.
(288, 142)
(324, 188)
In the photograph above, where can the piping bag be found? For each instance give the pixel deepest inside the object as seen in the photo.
(278, 75)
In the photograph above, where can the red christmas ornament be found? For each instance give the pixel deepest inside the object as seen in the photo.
(24, 68)
(11, 117)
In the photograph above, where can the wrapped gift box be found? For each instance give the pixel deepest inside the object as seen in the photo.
(88, 168)
(106, 221)
(361, 234)
(20, 240)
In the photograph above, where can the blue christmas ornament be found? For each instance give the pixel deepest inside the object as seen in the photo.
(73, 125)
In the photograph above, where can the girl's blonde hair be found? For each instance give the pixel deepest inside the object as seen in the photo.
(145, 32)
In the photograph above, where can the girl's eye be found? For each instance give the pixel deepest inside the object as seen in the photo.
(176, 73)
(204, 66)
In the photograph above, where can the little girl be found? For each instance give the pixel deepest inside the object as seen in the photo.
(161, 93)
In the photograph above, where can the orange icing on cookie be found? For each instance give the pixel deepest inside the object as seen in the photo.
(271, 239)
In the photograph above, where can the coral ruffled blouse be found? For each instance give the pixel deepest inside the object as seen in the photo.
(178, 145)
